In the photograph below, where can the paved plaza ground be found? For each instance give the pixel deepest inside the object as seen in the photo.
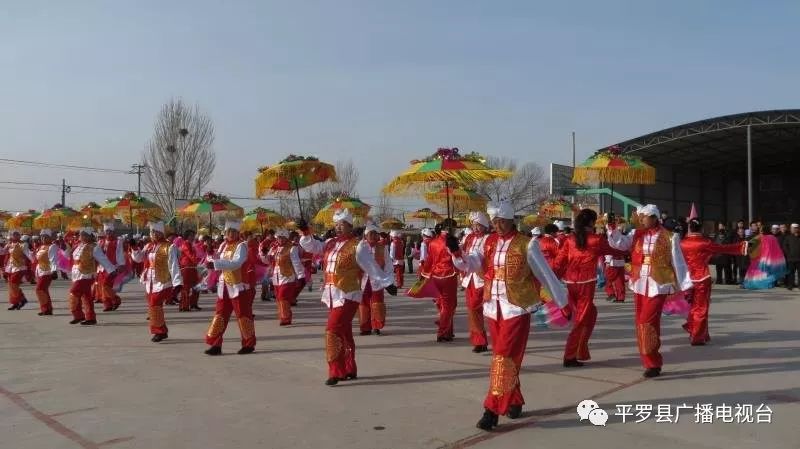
(108, 386)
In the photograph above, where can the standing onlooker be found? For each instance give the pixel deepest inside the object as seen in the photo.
(791, 250)
(723, 262)
(410, 245)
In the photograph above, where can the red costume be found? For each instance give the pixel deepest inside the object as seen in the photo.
(85, 258)
(438, 266)
(397, 251)
(160, 276)
(286, 272)
(188, 263)
(113, 248)
(473, 283)
(549, 246)
(16, 267)
(46, 271)
(614, 271)
(372, 310)
(234, 294)
(577, 267)
(698, 251)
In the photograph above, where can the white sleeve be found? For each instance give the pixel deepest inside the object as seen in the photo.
(137, 255)
(297, 264)
(101, 258)
(392, 250)
(120, 252)
(423, 251)
(239, 258)
(52, 256)
(174, 267)
(388, 262)
(470, 263)
(545, 274)
(682, 274)
(366, 261)
(312, 245)
(620, 241)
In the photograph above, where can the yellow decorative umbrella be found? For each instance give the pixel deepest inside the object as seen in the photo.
(358, 208)
(260, 218)
(534, 220)
(392, 223)
(293, 174)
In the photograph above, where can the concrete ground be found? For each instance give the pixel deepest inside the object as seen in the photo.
(108, 386)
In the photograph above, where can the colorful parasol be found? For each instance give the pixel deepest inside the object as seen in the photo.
(23, 221)
(424, 214)
(392, 223)
(211, 205)
(460, 198)
(358, 208)
(85, 221)
(534, 220)
(260, 219)
(140, 217)
(293, 174)
(55, 218)
(125, 206)
(445, 166)
(611, 166)
(557, 208)
(462, 220)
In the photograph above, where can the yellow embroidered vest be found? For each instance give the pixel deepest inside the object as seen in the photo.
(17, 256)
(161, 263)
(347, 275)
(231, 277)
(660, 259)
(284, 261)
(522, 288)
(43, 258)
(86, 263)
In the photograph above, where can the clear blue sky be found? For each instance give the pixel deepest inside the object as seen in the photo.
(378, 81)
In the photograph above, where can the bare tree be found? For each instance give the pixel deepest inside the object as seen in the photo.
(524, 189)
(180, 157)
(383, 210)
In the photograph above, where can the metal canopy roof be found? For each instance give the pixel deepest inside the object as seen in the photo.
(720, 144)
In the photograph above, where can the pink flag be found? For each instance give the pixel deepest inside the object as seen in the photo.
(693, 212)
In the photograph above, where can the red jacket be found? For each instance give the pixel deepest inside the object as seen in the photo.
(188, 257)
(575, 265)
(439, 262)
(549, 247)
(249, 267)
(698, 251)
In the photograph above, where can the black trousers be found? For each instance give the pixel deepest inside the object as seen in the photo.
(724, 274)
(410, 262)
(792, 268)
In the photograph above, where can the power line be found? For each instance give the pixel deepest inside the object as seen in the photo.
(19, 162)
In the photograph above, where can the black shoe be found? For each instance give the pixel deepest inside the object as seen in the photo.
(49, 312)
(331, 381)
(514, 411)
(246, 350)
(88, 322)
(377, 331)
(21, 304)
(13, 307)
(487, 421)
(351, 376)
(610, 298)
(75, 321)
(214, 350)
(572, 363)
(652, 372)
(115, 307)
(442, 339)
(480, 348)
(619, 300)
(198, 308)
(369, 332)
(158, 337)
(698, 343)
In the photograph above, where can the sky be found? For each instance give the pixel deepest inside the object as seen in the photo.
(381, 82)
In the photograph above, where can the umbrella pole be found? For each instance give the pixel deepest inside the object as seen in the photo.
(447, 195)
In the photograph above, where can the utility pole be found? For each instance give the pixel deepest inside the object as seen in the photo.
(65, 189)
(138, 169)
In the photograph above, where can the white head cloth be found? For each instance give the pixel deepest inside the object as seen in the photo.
(427, 232)
(480, 218)
(108, 226)
(649, 210)
(343, 215)
(371, 226)
(282, 233)
(46, 232)
(233, 224)
(157, 226)
(502, 209)
(536, 231)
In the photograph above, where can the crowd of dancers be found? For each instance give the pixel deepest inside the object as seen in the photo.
(508, 277)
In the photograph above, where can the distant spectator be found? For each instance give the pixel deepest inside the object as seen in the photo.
(791, 250)
(723, 262)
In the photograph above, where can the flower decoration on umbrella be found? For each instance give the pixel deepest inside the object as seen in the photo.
(612, 166)
(446, 166)
(358, 208)
(93, 209)
(292, 174)
(424, 214)
(557, 208)
(56, 217)
(260, 219)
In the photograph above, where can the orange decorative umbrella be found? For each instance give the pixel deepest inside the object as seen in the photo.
(293, 174)
(557, 208)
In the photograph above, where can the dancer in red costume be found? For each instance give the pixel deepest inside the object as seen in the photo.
(18, 258)
(161, 276)
(397, 251)
(514, 269)
(46, 271)
(345, 260)
(287, 274)
(438, 267)
(576, 265)
(473, 283)
(85, 258)
(698, 251)
(658, 269)
(372, 310)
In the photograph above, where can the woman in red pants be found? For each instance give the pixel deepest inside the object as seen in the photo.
(576, 264)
